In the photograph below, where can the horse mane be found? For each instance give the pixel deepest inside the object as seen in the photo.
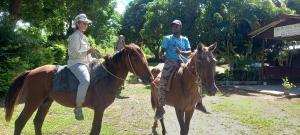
(185, 65)
(111, 60)
(190, 58)
(135, 48)
(118, 55)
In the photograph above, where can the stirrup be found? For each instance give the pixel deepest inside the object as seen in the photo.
(78, 113)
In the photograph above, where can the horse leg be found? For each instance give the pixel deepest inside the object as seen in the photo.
(188, 115)
(97, 122)
(29, 108)
(154, 126)
(41, 114)
(163, 126)
(180, 118)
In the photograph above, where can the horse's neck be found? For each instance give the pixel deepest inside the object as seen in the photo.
(119, 74)
(190, 77)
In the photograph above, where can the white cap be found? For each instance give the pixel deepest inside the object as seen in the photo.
(81, 18)
(178, 22)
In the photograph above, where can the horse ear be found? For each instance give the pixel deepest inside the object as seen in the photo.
(212, 47)
(200, 46)
(126, 48)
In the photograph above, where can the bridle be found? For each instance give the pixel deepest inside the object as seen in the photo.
(123, 79)
(198, 74)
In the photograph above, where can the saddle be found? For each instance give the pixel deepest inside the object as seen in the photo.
(65, 80)
(156, 72)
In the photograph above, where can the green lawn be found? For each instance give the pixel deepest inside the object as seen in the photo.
(132, 115)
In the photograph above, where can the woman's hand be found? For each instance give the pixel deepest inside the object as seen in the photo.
(91, 50)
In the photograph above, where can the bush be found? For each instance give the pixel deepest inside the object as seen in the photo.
(23, 49)
(9, 69)
(286, 84)
(59, 51)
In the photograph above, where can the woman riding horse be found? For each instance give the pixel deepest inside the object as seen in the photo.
(79, 51)
(39, 93)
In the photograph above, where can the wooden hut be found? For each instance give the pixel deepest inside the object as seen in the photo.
(283, 27)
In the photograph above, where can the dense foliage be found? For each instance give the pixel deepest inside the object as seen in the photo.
(227, 22)
(34, 33)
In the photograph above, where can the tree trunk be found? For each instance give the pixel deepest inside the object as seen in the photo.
(15, 8)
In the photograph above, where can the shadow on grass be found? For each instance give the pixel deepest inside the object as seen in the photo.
(121, 97)
(292, 96)
(228, 91)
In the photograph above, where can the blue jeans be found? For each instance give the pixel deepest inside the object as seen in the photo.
(81, 72)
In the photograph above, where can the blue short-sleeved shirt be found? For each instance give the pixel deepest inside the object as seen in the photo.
(170, 43)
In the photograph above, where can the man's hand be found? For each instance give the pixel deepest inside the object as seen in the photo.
(162, 57)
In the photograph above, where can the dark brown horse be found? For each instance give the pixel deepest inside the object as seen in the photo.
(183, 91)
(39, 94)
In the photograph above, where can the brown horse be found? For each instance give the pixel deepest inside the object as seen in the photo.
(183, 91)
(39, 94)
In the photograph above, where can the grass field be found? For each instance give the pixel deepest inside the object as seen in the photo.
(236, 112)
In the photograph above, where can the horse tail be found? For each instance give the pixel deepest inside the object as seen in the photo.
(13, 94)
(153, 101)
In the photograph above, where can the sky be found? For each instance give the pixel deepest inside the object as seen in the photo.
(121, 5)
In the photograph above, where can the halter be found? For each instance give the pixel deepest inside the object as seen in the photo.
(197, 71)
(116, 75)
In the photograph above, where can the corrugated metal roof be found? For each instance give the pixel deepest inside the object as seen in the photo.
(281, 18)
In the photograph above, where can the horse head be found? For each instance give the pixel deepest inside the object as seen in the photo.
(205, 64)
(136, 62)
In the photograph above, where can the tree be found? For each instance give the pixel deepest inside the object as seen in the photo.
(45, 36)
(294, 4)
(224, 21)
(133, 20)
(54, 16)
(160, 14)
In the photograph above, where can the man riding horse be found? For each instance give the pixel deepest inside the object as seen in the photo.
(177, 49)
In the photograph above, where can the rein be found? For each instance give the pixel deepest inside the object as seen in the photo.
(131, 65)
(116, 75)
(111, 73)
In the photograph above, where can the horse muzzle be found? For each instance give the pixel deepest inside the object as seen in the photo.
(147, 79)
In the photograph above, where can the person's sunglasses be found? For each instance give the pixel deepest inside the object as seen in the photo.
(85, 23)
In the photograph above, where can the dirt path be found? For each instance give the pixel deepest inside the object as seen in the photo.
(234, 113)
(281, 115)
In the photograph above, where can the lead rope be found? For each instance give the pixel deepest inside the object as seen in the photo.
(117, 76)
(111, 73)
(131, 65)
